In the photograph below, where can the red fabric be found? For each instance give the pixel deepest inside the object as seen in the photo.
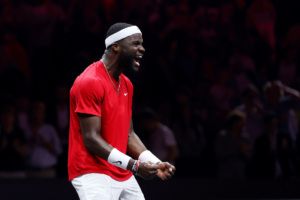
(93, 93)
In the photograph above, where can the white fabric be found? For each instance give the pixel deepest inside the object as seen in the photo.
(95, 186)
(118, 158)
(147, 156)
(121, 35)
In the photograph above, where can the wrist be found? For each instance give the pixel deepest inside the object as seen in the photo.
(135, 167)
(119, 159)
(148, 156)
(130, 164)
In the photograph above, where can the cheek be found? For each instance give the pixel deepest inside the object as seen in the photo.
(127, 53)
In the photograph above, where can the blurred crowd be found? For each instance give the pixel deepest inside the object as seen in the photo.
(217, 93)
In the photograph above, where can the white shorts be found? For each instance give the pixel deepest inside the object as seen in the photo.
(95, 186)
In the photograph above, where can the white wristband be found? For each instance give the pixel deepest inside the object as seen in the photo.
(147, 156)
(118, 158)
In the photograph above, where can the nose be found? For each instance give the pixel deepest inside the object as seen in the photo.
(142, 49)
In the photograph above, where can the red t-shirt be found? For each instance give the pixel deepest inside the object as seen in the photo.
(93, 93)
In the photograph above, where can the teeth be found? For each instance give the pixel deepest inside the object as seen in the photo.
(140, 57)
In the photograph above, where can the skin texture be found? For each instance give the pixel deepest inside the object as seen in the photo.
(123, 54)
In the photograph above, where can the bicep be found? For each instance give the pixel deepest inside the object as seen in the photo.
(89, 124)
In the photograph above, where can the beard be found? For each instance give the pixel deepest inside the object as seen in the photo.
(128, 66)
(127, 63)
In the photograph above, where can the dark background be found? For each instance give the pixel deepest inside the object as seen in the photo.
(200, 58)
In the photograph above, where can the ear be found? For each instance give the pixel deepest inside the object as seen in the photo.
(115, 47)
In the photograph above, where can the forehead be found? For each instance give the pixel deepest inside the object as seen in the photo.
(134, 37)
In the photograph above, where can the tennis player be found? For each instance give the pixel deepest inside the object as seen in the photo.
(104, 150)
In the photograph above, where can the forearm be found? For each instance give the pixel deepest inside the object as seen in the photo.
(135, 146)
(288, 90)
(292, 92)
(137, 150)
(91, 128)
(96, 145)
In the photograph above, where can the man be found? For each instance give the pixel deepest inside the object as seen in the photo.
(232, 148)
(101, 131)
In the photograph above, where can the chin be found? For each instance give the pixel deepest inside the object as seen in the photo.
(135, 68)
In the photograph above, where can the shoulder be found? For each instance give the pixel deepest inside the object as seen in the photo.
(86, 86)
(87, 81)
(91, 75)
(90, 78)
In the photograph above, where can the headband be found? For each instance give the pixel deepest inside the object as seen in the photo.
(121, 35)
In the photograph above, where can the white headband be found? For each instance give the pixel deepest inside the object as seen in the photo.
(121, 35)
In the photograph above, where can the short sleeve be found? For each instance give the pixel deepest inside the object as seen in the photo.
(89, 97)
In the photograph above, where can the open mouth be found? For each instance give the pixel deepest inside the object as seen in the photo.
(137, 60)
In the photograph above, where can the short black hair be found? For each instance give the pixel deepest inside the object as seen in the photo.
(116, 27)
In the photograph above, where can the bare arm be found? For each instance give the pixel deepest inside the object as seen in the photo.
(135, 146)
(288, 90)
(292, 92)
(90, 128)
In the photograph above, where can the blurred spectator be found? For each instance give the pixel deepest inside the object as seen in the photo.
(39, 20)
(261, 16)
(289, 62)
(188, 131)
(13, 55)
(221, 92)
(243, 68)
(287, 72)
(41, 25)
(61, 112)
(232, 149)
(44, 142)
(283, 100)
(273, 152)
(253, 109)
(292, 38)
(60, 115)
(14, 64)
(161, 139)
(22, 112)
(13, 148)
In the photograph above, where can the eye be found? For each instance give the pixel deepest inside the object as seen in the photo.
(136, 43)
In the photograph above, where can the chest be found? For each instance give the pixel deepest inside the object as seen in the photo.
(117, 103)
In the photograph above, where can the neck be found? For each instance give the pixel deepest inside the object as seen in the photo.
(111, 65)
